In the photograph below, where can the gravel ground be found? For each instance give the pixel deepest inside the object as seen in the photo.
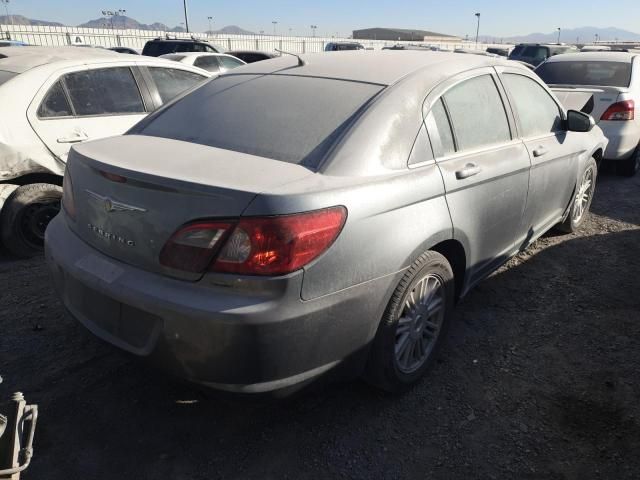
(539, 378)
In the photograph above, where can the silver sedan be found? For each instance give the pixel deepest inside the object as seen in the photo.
(319, 214)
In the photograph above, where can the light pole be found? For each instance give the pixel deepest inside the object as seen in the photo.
(114, 13)
(478, 28)
(210, 28)
(313, 30)
(559, 31)
(274, 26)
(186, 16)
(6, 7)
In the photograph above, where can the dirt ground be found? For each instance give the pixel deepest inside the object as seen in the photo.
(539, 378)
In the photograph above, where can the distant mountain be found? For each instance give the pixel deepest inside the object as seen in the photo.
(21, 20)
(232, 30)
(122, 22)
(574, 35)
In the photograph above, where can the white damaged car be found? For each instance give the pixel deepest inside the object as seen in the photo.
(52, 98)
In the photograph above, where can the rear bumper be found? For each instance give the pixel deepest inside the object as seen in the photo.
(624, 138)
(243, 335)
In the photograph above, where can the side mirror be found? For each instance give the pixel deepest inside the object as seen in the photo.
(579, 122)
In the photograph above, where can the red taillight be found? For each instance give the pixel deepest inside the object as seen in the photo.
(68, 202)
(193, 247)
(279, 245)
(620, 111)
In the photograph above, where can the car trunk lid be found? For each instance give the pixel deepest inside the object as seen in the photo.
(133, 192)
(591, 100)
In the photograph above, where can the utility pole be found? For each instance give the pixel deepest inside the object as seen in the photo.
(559, 31)
(210, 28)
(6, 7)
(313, 30)
(478, 28)
(274, 26)
(186, 16)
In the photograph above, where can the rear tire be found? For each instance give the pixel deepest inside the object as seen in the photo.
(581, 201)
(25, 216)
(631, 165)
(416, 318)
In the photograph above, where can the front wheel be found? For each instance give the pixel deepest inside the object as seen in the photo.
(413, 324)
(582, 200)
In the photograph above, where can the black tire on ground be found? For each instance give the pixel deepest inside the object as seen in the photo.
(573, 223)
(25, 216)
(631, 165)
(383, 370)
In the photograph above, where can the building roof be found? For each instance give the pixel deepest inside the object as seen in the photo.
(378, 66)
(406, 31)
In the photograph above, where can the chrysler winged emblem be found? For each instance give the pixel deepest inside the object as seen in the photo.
(111, 205)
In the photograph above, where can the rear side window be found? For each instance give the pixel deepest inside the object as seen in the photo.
(229, 63)
(55, 104)
(444, 128)
(105, 91)
(208, 63)
(289, 118)
(477, 113)
(537, 111)
(171, 82)
(602, 74)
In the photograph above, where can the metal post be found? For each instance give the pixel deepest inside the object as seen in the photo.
(559, 31)
(210, 27)
(477, 29)
(186, 16)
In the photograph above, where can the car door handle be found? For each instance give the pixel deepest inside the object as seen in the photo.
(540, 151)
(76, 138)
(469, 170)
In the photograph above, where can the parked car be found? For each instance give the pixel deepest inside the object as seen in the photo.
(502, 51)
(251, 56)
(164, 46)
(53, 98)
(341, 46)
(128, 50)
(304, 214)
(595, 48)
(211, 62)
(537, 53)
(607, 86)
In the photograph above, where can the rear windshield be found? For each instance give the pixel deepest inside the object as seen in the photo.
(6, 76)
(289, 118)
(603, 74)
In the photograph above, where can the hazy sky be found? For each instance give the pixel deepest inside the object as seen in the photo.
(499, 17)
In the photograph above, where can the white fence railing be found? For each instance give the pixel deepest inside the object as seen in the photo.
(107, 37)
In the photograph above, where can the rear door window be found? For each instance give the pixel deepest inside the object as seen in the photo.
(537, 111)
(171, 82)
(55, 104)
(477, 113)
(207, 62)
(104, 91)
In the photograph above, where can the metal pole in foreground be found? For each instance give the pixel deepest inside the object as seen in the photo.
(186, 16)
(478, 28)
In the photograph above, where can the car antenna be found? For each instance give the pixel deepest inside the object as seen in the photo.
(301, 62)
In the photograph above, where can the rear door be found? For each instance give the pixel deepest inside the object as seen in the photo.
(554, 152)
(485, 170)
(87, 103)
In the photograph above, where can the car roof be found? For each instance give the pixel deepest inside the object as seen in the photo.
(594, 56)
(19, 60)
(179, 40)
(381, 67)
(194, 54)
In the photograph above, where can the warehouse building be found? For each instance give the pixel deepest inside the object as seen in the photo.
(401, 34)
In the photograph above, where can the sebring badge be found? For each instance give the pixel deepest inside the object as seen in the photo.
(110, 205)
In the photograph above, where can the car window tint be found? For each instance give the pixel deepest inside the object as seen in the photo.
(104, 91)
(172, 82)
(477, 113)
(229, 63)
(538, 112)
(444, 128)
(294, 119)
(55, 104)
(596, 73)
(208, 63)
